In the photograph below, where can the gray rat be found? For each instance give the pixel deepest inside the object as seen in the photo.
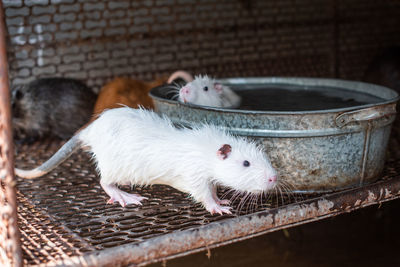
(138, 147)
(50, 107)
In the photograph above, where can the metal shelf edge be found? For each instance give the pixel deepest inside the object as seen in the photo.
(239, 228)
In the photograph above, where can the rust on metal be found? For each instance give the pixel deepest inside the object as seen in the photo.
(10, 248)
(239, 228)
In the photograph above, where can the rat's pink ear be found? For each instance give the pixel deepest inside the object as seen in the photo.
(224, 151)
(218, 87)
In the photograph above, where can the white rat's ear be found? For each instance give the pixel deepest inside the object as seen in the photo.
(218, 87)
(224, 151)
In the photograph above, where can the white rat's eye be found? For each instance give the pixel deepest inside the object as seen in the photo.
(246, 163)
(205, 88)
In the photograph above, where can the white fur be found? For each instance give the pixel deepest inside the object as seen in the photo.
(134, 146)
(193, 93)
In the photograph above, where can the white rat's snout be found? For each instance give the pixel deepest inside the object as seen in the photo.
(265, 178)
(272, 181)
(185, 94)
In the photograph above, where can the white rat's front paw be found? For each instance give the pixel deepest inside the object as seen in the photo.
(214, 208)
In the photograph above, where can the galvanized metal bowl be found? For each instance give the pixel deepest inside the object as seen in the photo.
(315, 149)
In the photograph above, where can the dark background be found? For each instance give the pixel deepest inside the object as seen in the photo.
(367, 237)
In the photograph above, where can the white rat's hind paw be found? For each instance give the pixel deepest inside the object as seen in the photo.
(123, 198)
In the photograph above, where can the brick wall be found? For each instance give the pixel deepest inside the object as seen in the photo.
(97, 40)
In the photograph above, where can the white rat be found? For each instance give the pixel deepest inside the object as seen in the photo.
(205, 91)
(136, 146)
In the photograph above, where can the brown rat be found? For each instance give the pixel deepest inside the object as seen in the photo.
(50, 107)
(132, 92)
(125, 91)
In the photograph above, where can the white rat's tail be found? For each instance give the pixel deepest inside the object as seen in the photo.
(60, 156)
(180, 74)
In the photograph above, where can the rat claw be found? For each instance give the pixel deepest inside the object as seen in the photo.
(122, 197)
(227, 210)
(219, 209)
(139, 198)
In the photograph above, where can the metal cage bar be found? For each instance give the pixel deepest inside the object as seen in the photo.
(10, 247)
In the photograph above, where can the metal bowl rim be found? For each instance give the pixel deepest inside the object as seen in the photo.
(339, 83)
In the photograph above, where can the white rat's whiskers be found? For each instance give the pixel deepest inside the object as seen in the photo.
(268, 196)
(289, 189)
(254, 202)
(174, 90)
(175, 97)
(250, 202)
(235, 196)
(227, 193)
(283, 193)
(276, 196)
(278, 193)
(287, 185)
(243, 201)
(282, 196)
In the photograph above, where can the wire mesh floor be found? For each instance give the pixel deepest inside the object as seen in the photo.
(65, 214)
(70, 202)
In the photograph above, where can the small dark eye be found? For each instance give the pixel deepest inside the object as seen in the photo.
(205, 88)
(246, 163)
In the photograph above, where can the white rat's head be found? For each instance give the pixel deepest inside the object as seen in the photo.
(202, 91)
(243, 166)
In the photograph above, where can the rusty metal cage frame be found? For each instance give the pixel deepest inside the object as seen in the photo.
(10, 240)
(210, 234)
